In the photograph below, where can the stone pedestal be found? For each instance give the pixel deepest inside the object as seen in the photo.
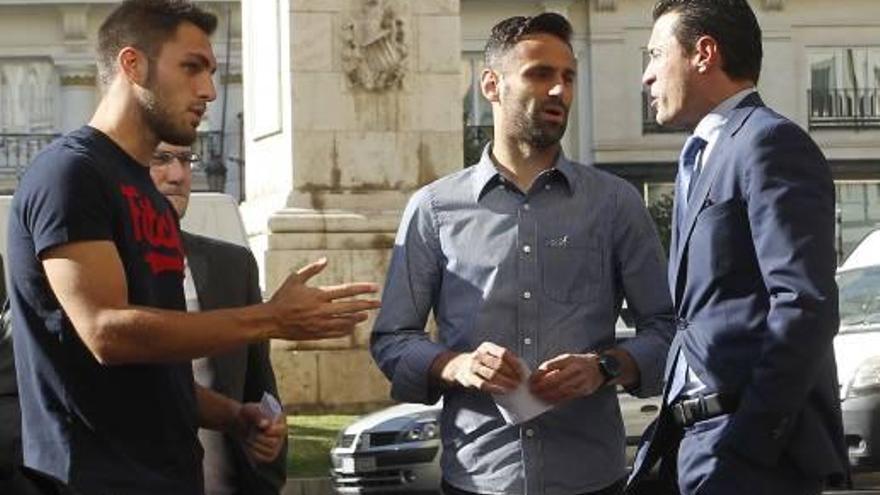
(351, 106)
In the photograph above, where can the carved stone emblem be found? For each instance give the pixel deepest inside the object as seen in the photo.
(374, 48)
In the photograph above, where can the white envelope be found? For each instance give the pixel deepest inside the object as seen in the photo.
(521, 405)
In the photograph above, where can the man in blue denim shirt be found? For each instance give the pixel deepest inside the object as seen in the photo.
(526, 255)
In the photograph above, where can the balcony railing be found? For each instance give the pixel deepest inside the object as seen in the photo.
(649, 118)
(212, 168)
(844, 108)
(17, 150)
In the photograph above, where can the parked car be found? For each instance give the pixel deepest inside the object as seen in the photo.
(397, 449)
(857, 351)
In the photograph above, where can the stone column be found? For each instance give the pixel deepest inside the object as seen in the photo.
(227, 48)
(76, 68)
(234, 154)
(578, 139)
(350, 105)
(78, 95)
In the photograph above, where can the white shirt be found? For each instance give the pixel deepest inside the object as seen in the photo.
(217, 463)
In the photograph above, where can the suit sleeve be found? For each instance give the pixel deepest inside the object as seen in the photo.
(641, 270)
(790, 201)
(259, 378)
(399, 343)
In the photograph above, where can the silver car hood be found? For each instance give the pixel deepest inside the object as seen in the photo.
(392, 418)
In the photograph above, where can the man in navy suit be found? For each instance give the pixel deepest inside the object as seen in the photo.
(750, 403)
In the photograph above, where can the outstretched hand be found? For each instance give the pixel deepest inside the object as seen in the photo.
(313, 313)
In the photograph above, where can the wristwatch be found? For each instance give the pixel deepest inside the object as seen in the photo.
(609, 366)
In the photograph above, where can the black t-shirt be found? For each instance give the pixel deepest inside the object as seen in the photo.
(127, 429)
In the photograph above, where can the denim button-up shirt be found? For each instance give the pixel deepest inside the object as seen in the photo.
(541, 273)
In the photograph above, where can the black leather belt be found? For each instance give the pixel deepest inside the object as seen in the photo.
(688, 411)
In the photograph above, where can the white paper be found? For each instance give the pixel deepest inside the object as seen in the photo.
(270, 407)
(521, 405)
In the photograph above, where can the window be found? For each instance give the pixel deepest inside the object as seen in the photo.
(844, 88)
(477, 110)
(27, 96)
(28, 91)
(659, 197)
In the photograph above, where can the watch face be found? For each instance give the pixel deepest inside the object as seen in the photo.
(610, 366)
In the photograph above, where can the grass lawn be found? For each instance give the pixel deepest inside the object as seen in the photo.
(310, 439)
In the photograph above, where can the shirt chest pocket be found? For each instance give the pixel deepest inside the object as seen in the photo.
(571, 268)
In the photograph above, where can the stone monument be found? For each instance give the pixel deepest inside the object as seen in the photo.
(350, 106)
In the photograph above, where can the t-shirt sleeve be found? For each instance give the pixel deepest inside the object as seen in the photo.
(63, 200)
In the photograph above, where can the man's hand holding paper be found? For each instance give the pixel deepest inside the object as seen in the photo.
(490, 368)
(567, 376)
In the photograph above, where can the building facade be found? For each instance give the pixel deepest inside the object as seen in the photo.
(48, 85)
(821, 69)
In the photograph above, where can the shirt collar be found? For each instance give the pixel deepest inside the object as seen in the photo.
(487, 175)
(710, 126)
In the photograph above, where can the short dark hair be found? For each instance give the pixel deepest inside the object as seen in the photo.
(507, 33)
(145, 25)
(731, 23)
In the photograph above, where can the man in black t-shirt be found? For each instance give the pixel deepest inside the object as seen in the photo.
(102, 344)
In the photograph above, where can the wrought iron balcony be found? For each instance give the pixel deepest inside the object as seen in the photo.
(209, 146)
(844, 108)
(17, 150)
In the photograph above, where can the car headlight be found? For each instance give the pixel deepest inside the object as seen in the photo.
(866, 379)
(344, 440)
(421, 431)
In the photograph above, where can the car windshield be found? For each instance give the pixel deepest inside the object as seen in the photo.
(859, 297)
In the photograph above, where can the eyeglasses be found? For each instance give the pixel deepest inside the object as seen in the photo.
(186, 158)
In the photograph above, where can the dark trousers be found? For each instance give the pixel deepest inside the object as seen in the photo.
(614, 489)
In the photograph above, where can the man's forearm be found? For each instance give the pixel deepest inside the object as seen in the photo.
(216, 411)
(149, 335)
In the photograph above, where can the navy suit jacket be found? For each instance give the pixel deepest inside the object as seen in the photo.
(225, 276)
(752, 276)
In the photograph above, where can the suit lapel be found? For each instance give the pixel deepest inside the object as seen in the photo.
(227, 368)
(712, 168)
(672, 269)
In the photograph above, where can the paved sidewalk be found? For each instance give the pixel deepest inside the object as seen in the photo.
(308, 486)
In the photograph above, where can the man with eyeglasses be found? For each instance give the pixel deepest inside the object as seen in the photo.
(244, 373)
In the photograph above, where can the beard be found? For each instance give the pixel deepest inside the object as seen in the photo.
(159, 120)
(531, 128)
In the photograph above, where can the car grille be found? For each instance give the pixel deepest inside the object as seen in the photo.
(409, 456)
(386, 478)
(346, 441)
(383, 438)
